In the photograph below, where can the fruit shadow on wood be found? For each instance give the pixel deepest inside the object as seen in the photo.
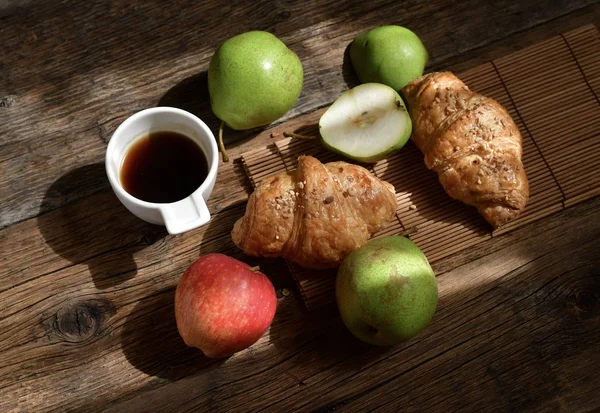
(348, 73)
(318, 337)
(310, 130)
(152, 344)
(191, 94)
(97, 231)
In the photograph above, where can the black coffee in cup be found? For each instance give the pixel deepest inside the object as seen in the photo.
(163, 167)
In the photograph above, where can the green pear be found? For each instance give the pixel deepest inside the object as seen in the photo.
(253, 79)
(386, 291)
(366, 123)
(392, 55)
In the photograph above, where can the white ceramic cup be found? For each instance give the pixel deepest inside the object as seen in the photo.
(179, 216)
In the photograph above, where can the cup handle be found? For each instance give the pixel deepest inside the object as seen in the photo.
(185, 215)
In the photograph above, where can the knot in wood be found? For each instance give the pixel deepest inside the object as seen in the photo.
(284, 15)
(81, 321)
(7, 102)
(586, 301)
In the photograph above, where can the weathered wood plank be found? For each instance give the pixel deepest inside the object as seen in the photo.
(90, 70)
(512, 337)
(86, 289)
(304, 355)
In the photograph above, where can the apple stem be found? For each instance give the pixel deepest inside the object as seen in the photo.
(256, 268)
(221, 144)
(298, 136)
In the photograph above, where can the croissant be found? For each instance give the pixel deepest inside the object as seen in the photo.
(316, 214)
(472, 143)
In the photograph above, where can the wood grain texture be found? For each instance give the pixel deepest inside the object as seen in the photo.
(515, 336)
(86, 289)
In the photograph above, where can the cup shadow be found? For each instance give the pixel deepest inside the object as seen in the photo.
(96, 230)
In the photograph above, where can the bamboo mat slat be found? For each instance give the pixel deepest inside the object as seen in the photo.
(551, 91)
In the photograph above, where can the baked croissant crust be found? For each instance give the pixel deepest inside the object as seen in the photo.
(471, 142)
(316, 214)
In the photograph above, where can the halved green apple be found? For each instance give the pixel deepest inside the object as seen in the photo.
(366, 123)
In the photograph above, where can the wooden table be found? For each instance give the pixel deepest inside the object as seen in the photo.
(86, 289)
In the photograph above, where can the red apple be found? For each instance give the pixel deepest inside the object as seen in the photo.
(222, 305)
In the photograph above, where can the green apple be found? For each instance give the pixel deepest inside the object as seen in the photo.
(253, 79)
(392, 55)
(386, 291)
(366, 123)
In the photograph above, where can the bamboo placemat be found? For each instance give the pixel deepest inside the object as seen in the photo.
(550, 89)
